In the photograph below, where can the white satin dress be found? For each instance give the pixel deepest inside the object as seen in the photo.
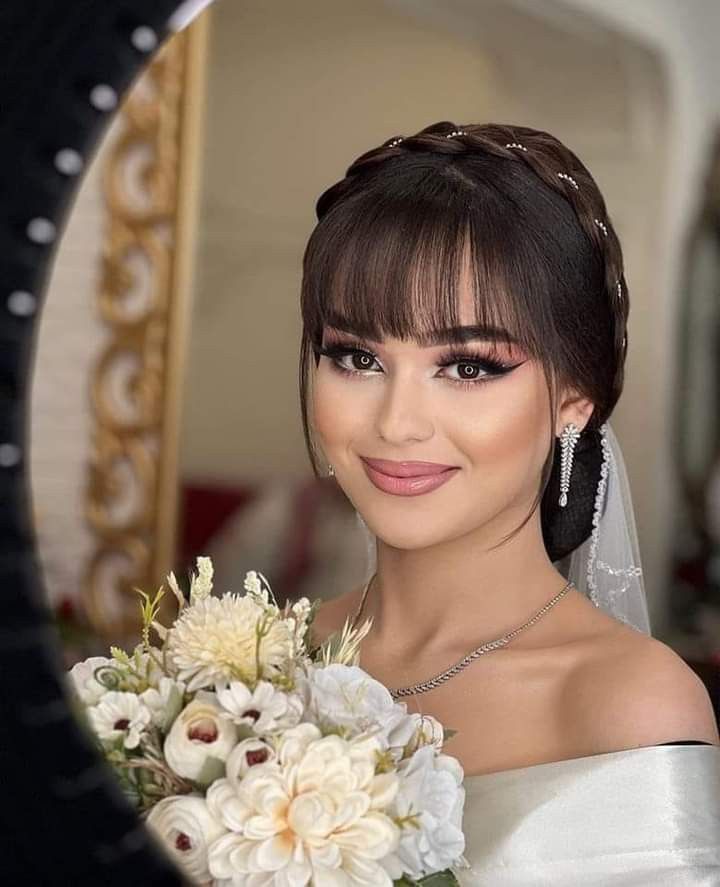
(641, 817)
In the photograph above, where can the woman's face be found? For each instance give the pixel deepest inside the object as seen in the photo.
(396, 400)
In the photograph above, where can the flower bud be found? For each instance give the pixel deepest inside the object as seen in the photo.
(198, 735)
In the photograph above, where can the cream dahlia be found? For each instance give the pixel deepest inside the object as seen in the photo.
(232, 637)
(310, 815)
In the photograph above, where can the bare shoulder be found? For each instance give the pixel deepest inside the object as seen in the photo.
(636, 692)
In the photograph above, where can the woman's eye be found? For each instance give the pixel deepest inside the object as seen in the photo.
(470, 371)
(466, 371)
(361, 360)
(353, 361)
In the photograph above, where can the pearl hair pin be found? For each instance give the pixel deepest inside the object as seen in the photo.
(561, 175)
(564, 175)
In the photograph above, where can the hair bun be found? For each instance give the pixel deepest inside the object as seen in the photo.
(564, 529)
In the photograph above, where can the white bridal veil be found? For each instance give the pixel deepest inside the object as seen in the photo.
(606, 567)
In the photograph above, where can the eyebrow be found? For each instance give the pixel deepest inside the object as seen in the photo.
(452, 335)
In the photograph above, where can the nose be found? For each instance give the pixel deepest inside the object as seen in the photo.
(403, 413)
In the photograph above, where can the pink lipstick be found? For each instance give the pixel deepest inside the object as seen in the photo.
(407, 478)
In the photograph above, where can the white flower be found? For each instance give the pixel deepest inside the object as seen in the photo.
(185, 826)
(119, 714)
(312, 815)
(427, 730)
(149, 665)
(264, 709)
(301, 609)
(82, 676)
(216, 640)
(164, 701)
(198, 735)
(201, 582)
(431, 790)
(246, 754)
(253, 585)
(259, 590)
(346, 697)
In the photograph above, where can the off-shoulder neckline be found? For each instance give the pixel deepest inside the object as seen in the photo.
(476, 777)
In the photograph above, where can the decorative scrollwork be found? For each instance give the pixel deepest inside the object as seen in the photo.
(131, 495)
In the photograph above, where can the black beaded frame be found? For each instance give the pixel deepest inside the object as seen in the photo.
(64, 66)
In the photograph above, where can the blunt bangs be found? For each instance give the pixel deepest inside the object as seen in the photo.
(381, 264)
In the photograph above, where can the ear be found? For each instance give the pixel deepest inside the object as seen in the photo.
(574, 408)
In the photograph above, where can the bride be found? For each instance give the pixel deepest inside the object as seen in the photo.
(465, 331)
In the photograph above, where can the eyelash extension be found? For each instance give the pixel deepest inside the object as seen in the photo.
(493, 368)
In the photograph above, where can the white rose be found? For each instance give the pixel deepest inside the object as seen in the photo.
(198, 735)
(186, 827)
(82, 677)
(346, 697)
(119, 715)
(264, 709)
(431, 786)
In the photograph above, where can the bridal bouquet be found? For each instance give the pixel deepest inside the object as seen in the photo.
(259, 760)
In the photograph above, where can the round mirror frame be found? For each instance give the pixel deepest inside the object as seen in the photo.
(64, 69)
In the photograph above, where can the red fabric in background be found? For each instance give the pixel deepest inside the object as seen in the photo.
(204, 509)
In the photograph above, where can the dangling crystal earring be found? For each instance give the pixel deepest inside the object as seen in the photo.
(568, 439)
(331, 471)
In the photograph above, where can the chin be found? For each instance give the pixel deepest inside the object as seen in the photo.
(407, 532)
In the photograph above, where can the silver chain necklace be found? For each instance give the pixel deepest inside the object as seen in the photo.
(430, 684)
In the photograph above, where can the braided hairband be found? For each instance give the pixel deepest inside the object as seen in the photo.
(561, 175)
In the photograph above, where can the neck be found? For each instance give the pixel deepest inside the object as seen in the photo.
(460, 591)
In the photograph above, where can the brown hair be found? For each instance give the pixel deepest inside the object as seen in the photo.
(386, 255)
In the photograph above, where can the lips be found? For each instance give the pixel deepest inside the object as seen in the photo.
(417, 477)
(406, 469)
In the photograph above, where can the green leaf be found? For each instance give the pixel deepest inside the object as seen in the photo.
(119, 655)
(172, 709)
(440, 879)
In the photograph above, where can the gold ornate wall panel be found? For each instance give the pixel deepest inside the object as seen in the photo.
(150, 188)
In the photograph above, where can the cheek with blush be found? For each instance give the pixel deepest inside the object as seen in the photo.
(504, 440)
(336, 416)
